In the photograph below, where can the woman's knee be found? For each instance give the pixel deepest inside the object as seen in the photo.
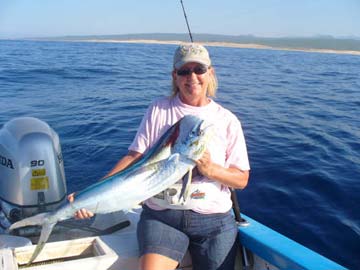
(153, 261)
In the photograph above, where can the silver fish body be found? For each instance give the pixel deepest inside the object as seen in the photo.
(163, 165)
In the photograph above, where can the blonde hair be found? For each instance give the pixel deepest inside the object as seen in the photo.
(212, 86)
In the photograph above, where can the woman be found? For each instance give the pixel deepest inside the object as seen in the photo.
(204, 225)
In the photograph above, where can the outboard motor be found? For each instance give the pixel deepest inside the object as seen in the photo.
(32, 177)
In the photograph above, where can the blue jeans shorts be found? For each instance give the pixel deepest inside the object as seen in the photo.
(210, 238)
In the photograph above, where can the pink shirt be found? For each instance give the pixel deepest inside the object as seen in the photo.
(227, 145)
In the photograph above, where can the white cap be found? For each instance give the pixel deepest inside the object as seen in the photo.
(191, 53)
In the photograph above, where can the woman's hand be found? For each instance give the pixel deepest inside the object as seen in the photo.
(82, 213)
(205, 165)
(231, 177)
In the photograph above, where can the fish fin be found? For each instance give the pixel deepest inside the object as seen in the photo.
(186, 186)
(187, 189)
(163, 143)
(174, 158)
(184, 182)
(45, 233)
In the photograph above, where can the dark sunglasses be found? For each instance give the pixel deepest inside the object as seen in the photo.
(198, 70)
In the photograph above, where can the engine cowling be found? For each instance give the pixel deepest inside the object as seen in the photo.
(32, 177)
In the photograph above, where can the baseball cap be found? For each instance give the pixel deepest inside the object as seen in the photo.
(187, 53)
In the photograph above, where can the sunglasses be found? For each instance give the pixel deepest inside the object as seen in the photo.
(198, 70)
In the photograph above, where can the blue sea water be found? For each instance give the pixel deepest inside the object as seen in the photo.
(300, 113)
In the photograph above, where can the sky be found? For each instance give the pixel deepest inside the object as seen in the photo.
(263, 18)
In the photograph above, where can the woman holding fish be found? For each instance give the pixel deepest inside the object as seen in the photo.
(194, 216)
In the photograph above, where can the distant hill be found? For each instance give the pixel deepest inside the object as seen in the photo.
(317, 42)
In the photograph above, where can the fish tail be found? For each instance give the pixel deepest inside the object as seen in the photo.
(45, 233)
(30, 221)
(40, 220)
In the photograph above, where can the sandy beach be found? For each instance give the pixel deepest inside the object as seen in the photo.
(223, 44)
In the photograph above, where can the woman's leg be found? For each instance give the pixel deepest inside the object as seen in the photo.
(213, 242)
(161, 244)
(153, 261)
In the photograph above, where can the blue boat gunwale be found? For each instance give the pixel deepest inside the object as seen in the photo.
(281, 251)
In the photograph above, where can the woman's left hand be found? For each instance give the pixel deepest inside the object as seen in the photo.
(205, 165)
(231, 177)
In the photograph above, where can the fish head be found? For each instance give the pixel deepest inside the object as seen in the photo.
(193, 135)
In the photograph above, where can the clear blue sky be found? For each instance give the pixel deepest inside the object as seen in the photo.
(268, 18)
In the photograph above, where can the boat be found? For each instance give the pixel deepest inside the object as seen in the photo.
(261, 248)
(107, 241)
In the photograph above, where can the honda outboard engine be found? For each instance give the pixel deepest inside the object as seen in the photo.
(32, 177)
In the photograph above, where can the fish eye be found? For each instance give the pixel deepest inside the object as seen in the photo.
(200, 132)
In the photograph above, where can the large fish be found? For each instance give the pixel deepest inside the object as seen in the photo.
(164, 164)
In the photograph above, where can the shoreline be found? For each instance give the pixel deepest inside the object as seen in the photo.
(219, 44)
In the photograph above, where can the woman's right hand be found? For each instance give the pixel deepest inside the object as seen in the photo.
(82, 213)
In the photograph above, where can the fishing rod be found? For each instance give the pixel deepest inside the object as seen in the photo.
(236, 208)
(187, 23)
(240, 222)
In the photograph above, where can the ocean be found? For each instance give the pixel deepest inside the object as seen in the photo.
(300, 113)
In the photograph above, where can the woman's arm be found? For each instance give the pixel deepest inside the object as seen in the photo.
(130, 158)
(126, 161)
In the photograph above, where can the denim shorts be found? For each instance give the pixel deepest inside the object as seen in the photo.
(210, 238)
